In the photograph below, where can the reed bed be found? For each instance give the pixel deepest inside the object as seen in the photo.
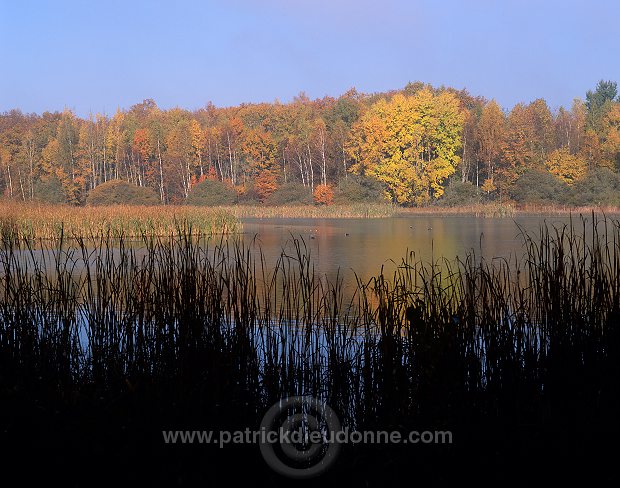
(54, 221)
(487, 210)
(353, 211)
(568, 209)
(509, 210)
(204, 328)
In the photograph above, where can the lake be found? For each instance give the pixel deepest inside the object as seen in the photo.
(364, 245)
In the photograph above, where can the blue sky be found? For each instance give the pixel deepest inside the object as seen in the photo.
(97, 56)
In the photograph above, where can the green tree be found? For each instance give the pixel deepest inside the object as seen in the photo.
(598, 102)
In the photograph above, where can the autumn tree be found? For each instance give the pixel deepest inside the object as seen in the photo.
(519, 148)
(60, 158)
(409, 143)
(566, 166)
(323, 195)
(178, 157)
(610, 145)
(259, 150)
(199, 139)
(490, 135)
(569, 126)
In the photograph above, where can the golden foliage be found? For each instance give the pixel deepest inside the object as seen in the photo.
(409, 143)
(488, 186)
(566, 166)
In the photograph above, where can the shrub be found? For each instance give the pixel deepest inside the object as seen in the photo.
(265, 184)
(600, 186)
(460, 193)
(49, 190)
(357, 189)
(539, 187)
(323, 195)
(249, 196)
(211, 193)
(291, 193)
(119, 192)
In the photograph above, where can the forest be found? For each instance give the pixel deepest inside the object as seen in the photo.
(417, 146)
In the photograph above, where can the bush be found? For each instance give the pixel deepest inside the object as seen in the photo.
(460, 193)
(211, 193)
(358, 189)
(119, 192)
(539, 187)
(323, 195)
(49, 190)
(291, 193)
(600, 186)
(249, 196)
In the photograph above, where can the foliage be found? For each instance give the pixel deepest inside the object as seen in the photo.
(119, 192)
(265, 183)
(211, 193)
(600, 186)
(460, 193)
(409, 143)
(291, 193)
(488, 186)
(599, 101)
(323, 195)
(355, 188)
(539, 187)
(566, 166)
(610, 138)
(491, 131)
(49, 190)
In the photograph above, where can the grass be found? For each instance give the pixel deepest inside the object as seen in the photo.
(189, 332)
(53, 221)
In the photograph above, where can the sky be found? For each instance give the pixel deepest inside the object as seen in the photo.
(94, 57)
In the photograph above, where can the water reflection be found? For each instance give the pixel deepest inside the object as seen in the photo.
(365, 245)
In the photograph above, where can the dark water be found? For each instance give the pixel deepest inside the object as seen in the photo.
(365, 245)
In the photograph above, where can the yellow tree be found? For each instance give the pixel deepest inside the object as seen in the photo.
(409, 143)
(566, 166)
(611, 137)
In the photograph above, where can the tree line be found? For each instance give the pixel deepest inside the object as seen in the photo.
(412, 146)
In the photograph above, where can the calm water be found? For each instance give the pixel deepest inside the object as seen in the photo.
(364, 245)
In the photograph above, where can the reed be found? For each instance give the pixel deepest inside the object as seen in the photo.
(52, 221)
(479, 210)
(359, 210)
(203, 326)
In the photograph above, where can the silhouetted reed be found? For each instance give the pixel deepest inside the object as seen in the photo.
(190, 319)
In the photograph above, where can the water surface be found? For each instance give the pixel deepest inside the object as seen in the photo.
(365, 245)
